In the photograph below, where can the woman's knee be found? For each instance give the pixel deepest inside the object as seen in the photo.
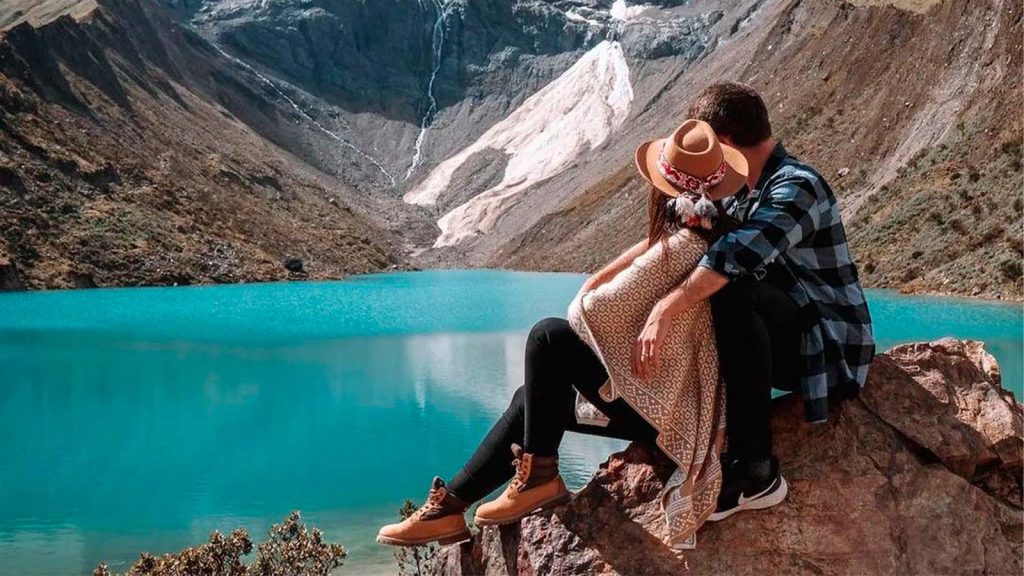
(547, 332)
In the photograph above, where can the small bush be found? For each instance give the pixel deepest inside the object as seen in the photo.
(1011, 267)
(292, 550)
(991, 234)
(1014, 241)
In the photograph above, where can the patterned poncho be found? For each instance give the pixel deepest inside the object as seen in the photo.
(684, 400)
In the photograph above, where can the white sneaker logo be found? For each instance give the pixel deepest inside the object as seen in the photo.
(743, 500)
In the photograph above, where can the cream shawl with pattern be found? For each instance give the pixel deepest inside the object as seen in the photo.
(685, 400)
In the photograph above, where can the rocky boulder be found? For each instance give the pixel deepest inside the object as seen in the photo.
(920, 475)
(10, 278)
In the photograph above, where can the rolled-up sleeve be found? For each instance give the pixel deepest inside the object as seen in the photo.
(786, 216)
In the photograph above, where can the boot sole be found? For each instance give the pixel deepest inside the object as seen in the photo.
(444, 540)
(545, 505)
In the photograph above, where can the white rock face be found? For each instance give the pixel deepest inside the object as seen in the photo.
(577, 17)
(576, 112)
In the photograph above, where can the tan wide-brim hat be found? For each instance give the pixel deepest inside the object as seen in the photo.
(692, 150)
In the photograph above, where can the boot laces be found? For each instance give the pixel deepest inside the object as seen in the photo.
(521, 476)
(434, 499)
(522, 471)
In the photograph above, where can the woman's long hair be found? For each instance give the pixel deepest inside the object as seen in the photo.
(661, 223)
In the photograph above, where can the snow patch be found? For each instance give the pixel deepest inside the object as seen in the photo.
(576, 112)
(620, 11)
(577, 17)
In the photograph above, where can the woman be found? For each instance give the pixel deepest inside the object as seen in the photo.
(646, 401)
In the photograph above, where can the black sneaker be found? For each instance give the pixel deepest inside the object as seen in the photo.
(742, 492)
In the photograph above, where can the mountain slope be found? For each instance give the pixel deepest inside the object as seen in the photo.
(578, 111)
(119, 165)
(919, 135)
(499, 133)
(655, 45)
(442, 95)
(41, 11)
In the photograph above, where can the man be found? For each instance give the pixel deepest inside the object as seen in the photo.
(789, 310)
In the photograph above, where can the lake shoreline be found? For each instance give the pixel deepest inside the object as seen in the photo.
(988, 298)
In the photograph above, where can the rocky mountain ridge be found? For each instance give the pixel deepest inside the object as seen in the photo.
(500, 132)
(919, 475)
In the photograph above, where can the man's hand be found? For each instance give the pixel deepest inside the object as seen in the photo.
(647, 349)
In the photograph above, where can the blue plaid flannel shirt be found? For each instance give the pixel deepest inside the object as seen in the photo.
(792, 219)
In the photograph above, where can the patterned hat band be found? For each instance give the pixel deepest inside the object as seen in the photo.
(688, 182)
(693, 207)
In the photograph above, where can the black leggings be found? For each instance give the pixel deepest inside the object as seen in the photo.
(558, 364)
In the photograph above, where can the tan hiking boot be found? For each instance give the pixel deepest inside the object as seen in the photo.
(440, 520)
(536, 486)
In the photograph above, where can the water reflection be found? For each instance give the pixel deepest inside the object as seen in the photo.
(112, 448)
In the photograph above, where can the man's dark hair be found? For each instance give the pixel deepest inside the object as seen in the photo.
(735, 110)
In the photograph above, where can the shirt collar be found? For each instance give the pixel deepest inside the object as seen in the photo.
(778, 154)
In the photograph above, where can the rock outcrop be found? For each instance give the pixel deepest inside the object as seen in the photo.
(10, 279)
(920, 475)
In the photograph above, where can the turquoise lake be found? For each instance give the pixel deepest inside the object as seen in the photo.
(141, 419)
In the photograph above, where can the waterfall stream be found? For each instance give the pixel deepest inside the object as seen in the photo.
(437, 48)
(301, 112)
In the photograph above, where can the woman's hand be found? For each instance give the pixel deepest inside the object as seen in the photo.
(647, 349)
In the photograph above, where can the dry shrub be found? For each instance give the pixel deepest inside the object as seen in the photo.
(413, 561)
(292, 550)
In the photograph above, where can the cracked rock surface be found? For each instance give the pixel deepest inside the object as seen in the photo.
(920, 475)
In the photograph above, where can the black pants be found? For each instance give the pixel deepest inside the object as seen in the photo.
(758, 328)
(558, 364)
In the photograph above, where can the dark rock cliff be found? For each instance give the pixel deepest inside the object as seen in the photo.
(383, 67)
(378, 56)
(920, 475)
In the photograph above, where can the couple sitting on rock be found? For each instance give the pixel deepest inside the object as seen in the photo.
(744, 284)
